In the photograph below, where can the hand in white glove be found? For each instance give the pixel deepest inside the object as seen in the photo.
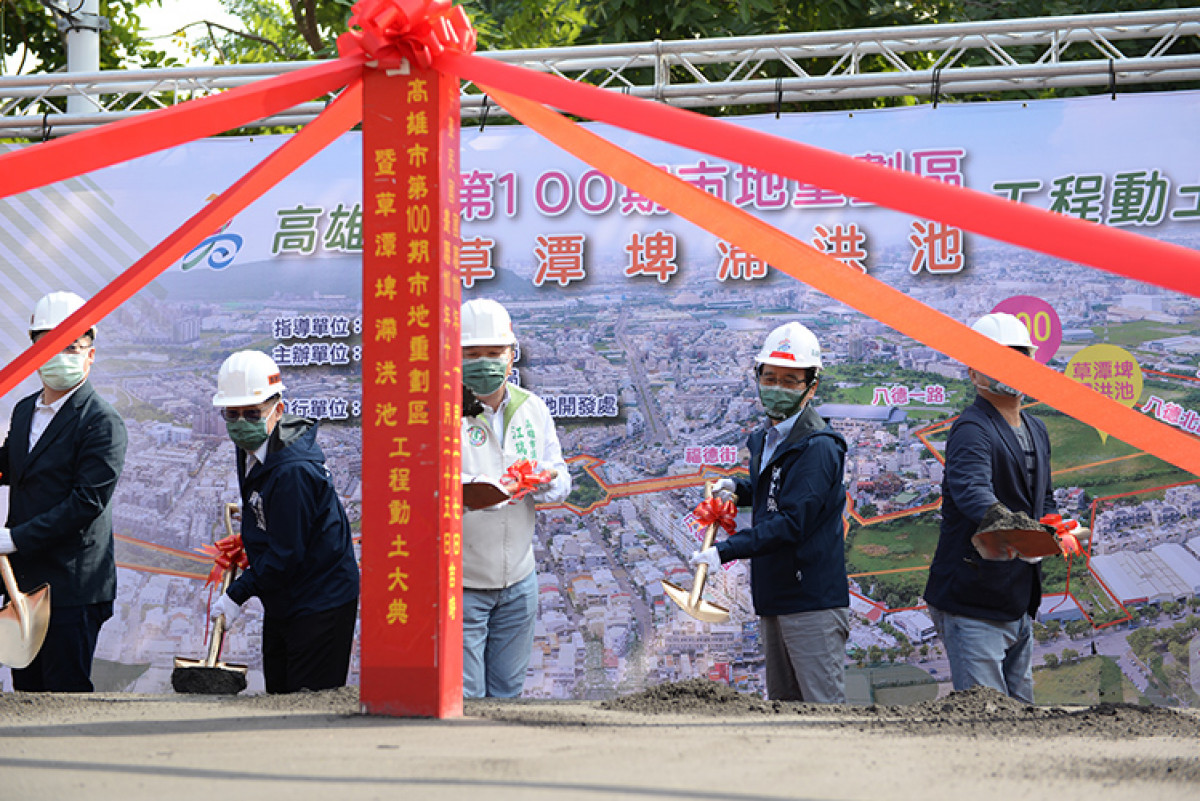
(226, 606)
(6, 542)
(724, 485)
(708, 556)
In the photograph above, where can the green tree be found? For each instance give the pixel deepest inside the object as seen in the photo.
(1051, 660)
(277, 30)
(1069, 655)
(33, 42)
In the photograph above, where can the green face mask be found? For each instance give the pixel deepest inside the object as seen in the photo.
(249, 435)
(484, 376)
(64, 370)
(780, 403)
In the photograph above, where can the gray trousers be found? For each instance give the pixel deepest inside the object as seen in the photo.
(806, 655)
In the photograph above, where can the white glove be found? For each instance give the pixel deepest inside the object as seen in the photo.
(708, 556)
(6, 542)
(228, 607)
(725, 485)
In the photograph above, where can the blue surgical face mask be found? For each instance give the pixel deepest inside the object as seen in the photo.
(484, 376)
(64, 370)
(781, 403)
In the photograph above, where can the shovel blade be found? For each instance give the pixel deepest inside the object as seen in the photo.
(704, 611)
(23, 630)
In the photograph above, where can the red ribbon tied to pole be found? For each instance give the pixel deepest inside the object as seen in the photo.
(389, 30)
(526, 476)
(717, 512)
(225, 553)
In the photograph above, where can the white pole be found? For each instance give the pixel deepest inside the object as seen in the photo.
(83, 49)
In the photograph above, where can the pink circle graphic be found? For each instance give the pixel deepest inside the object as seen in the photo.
(1045, 329)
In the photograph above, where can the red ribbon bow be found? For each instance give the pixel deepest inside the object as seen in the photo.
(389, 30)
(526, 476)
(717, 512)
(1062, 529)
(225, 553)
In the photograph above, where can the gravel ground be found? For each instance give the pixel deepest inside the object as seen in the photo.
(687, 740)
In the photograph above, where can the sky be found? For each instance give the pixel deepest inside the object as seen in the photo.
(174, 14)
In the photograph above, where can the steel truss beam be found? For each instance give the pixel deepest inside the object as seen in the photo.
(928, 61)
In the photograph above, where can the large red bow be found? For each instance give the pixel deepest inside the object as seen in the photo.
(526, 476)
(717, 512)
(225, 553)
(388, 30)
(1062, 529)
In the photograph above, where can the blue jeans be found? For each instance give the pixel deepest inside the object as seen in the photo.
(498, 638)
(988, 653)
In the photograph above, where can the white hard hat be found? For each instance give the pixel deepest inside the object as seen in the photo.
(486, 322)
(790, 345)
(52, 309)
(1004, 329)
(247, 378)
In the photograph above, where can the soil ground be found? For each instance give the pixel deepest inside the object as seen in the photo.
(690, 740)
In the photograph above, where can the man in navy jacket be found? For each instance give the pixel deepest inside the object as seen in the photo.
(996, 454)
(62, 458)
(795, 541)
(295, 532)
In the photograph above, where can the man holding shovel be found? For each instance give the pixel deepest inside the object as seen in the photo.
(62, 458)
(294, 530)
(997, 464)
(795, 543)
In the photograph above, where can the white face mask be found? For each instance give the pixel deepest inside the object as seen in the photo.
(64, 371)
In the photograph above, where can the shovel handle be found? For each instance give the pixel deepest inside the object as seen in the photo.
(701, 576)
(219, 627)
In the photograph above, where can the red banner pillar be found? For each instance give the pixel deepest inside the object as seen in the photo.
(412, 396)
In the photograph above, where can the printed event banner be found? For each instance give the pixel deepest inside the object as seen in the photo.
(639, 330)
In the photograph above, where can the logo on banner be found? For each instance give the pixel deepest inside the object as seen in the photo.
(216, 252)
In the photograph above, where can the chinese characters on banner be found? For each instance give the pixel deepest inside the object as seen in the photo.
(1110, 370)
(411, 375)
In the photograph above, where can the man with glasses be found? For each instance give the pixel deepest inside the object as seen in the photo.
(794, 543)
(997, 458)
(295, 532)
(62, 458)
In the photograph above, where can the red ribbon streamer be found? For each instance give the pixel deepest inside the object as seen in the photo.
(1062, 529)
(225, 553)
(717, 512)
(344, 113)
(32, 167)
(389, 30)
(862, 292)
(526, 476)
(1100, 246)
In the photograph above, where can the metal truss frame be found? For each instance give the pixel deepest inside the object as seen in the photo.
(1100, 51)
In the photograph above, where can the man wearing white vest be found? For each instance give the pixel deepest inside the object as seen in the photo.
(500, 590)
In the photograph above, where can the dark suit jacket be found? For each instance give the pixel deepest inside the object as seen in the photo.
(59, 509)
(985, 464)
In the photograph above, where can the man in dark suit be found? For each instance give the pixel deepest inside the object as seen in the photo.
(996, 455)
(61, 459)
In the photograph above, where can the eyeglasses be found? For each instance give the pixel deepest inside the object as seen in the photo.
(81, 345)
(784, 382)
(253, 414)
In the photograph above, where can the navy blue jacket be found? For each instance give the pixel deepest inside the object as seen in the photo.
(60, 501)
(985, 464)
(294, 528)
(796, 539)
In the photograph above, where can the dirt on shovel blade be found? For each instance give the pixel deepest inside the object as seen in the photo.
(207, 681)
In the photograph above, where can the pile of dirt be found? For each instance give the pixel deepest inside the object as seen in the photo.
(979, 711)
(691, 697)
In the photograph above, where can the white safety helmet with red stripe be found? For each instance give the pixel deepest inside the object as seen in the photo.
(790, 345)
(247, 378)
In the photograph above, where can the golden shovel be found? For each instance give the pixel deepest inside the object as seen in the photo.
(23, 620)
(692, 602)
